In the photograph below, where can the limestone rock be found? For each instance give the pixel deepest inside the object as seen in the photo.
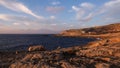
(67, 65)
(102, 65)
(36, 48)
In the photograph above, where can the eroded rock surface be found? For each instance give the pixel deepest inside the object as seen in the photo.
(98, 54)
(98, 30)
(36, 48)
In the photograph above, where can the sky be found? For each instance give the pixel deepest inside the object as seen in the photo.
(54, 16)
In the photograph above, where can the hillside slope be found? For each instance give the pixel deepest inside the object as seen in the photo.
(99, 30)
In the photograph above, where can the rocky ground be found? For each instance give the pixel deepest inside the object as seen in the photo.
(102, 53)
(99, 54)
(93, 31)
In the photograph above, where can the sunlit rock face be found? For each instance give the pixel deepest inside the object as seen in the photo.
(112, 28)
(36, 48)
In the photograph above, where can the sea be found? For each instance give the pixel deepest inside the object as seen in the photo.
(18, 42)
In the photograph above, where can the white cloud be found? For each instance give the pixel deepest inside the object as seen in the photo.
(113, 2)
(110, 11)
(16, 24)
(52, 17)
(112, 8)
(53, 24)
(20, 21)
(87, 5)
(64, 23)
(75, 8)
(17, 6)
(82, 13)
(54, 9)
(21, 24)
(71, 25)
(27, 24)
(4, 17)
(8, 17)
(55, 3)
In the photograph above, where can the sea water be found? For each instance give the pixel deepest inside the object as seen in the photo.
(49, 41)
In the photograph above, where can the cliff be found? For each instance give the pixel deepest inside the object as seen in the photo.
(98, 30)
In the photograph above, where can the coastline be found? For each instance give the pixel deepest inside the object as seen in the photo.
(102, 53)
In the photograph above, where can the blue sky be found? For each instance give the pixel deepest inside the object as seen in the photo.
(54, 16)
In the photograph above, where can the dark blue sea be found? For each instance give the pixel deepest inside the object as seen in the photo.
(23, 41)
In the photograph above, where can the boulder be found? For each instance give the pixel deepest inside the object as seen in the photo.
(30, 57)
(36, 48)
(102, 65)
(106, 59)
(117, 54)
(65, 64)
(27, 57)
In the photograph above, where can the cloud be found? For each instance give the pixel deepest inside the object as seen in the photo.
(109, 10)
(87, 5)
(83, 11)
(27, 23)
(16, 24)
(75, 8)
(53, 24)
(4, 17)
(21, 21)
(22, 24)
(52, 17)
(18, 7)
(9, 17)
(54, 9)
(55, 3)
(112, 8)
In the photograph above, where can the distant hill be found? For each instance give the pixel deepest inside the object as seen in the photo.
(98, 30)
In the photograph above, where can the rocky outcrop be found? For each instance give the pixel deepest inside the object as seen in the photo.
(36, 48)
(103, 53)
(102, 65)
(98, 30)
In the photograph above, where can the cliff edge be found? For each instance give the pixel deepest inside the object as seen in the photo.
(94, 31)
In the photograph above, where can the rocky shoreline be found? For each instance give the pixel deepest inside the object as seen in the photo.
(102, 53)
(98, 54)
